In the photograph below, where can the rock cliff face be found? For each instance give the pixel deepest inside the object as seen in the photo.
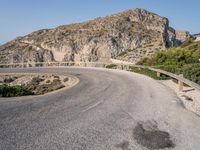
(181, 36)
(139, 31)
(197, 37)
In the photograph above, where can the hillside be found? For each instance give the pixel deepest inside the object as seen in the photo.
(181, 60)
(100, 39)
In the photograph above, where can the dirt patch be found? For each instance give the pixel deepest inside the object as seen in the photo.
(151, 137)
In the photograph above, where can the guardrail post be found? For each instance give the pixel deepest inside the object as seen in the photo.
(158, 74)
(180, 84)
(127, 67)
(122, 67)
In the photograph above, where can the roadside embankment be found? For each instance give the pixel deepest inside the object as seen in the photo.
(189, 97)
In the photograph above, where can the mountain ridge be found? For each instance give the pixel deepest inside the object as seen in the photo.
(99, 39)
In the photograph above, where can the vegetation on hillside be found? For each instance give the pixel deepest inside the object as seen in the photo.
(13, 91)
(111, 66)
(147, 72)
(13, 86)
(181, 60)
(144, 71)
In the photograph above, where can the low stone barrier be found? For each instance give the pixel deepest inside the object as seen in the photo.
(122, 66)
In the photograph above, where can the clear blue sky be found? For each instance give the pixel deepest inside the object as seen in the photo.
(20, 17)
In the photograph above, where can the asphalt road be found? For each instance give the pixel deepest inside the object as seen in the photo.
(107, 110)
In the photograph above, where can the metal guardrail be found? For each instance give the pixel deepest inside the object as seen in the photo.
(180, 78)
(122, 66)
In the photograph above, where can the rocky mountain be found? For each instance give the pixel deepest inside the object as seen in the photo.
(137, 32)
(197, 37)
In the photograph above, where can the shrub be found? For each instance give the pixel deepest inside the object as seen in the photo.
(48, 81)
(192, 72)
(13, 91)
(111, 66)
(170, 68)
(173, 56)
(147, 72)
(182, 60)
(66, 79)
(187, 43)
(9, 79)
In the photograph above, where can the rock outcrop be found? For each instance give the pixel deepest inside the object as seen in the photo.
(182, 36)
(101, 39)
(197, 37)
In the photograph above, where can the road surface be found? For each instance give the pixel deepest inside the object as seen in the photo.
(107, 110)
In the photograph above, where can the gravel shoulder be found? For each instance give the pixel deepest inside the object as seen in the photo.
(189, 96)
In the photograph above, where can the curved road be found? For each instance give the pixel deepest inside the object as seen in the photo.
(107, 110)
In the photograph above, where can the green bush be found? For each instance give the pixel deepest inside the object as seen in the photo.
(147, 72)
(192, 72)
(176, 69)
(174, 56)
(13, 91)
(187, 43)
(111, 66)
(182, 60)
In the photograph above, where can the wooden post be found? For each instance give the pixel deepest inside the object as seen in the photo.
(127, 67)
(122, 67)
(180, 84)
(158, 74)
